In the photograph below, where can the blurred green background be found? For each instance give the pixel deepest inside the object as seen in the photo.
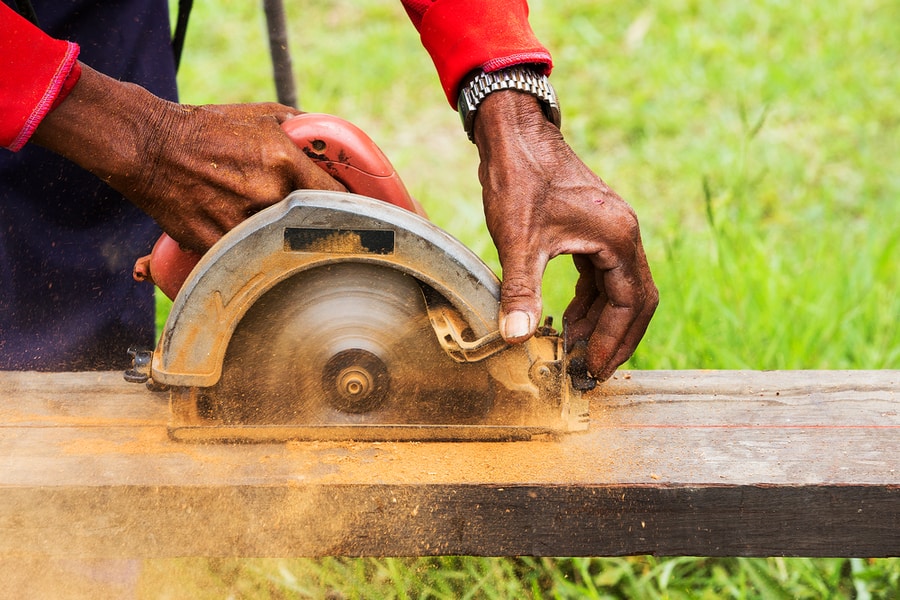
(758, 143)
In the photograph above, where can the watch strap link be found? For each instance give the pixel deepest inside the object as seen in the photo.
(520, 77)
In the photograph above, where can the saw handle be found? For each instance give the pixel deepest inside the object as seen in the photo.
(345, 152)
(340, 148)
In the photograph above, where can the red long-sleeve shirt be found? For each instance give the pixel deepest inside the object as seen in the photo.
(464, 35)
(460, 36)
(36, 71)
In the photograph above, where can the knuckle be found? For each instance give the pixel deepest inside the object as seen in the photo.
(518, 287)
(652, 300)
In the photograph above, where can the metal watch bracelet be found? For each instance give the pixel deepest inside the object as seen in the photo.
(520, 77)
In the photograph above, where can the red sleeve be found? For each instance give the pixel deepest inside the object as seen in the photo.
(36, 71)
(463, 35)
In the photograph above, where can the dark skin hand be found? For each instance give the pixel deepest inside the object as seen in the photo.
(197, 170)
(540, 201)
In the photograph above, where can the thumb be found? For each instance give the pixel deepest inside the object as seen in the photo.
(520, 298)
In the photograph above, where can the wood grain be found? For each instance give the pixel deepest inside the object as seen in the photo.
(713, 463)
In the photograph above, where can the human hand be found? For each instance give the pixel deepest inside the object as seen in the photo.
(197, 170)
(540, 201)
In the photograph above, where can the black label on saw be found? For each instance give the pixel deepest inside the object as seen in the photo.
(339, 241)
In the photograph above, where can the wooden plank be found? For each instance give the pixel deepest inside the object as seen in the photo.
(676, 463)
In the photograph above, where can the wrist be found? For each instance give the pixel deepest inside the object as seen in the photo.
(102, 125)
(522, 78)
(508, 119)
(67, 86)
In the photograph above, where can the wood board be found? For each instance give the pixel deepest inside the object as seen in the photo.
(713, 463)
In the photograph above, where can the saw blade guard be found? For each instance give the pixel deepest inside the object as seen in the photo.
(337, 316)
(311, 229)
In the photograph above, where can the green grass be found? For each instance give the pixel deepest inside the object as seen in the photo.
(758, 143)
(452, 578)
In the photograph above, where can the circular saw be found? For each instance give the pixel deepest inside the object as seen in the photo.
(342, 316)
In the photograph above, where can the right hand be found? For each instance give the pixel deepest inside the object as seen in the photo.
(540, 201)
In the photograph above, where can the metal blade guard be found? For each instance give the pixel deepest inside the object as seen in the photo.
(335, 316)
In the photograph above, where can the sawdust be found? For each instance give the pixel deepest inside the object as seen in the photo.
(76, 421)
(553, 460)
(145, 440)
(141, 441)
(566, 459)
(69, 577)
(339, 242)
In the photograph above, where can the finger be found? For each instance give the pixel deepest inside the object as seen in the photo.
(308, 174)
(296, 170)
(610, 341)
(520, 297)
(197, 235)
(581, 314)
(635, 334)
(279, 112)
(585, 288)
(285, 113)
(640, 324)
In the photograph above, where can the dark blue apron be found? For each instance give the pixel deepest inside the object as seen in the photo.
(67, 241)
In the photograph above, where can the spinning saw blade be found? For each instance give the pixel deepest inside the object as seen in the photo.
(349, 343)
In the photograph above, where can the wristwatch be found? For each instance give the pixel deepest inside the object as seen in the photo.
(520, 77)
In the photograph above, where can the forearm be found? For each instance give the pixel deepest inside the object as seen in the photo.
(465, 35)
(197, 170)
(103, 126)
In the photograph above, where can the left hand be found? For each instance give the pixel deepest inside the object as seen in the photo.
(197, 170)
(540, 201)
